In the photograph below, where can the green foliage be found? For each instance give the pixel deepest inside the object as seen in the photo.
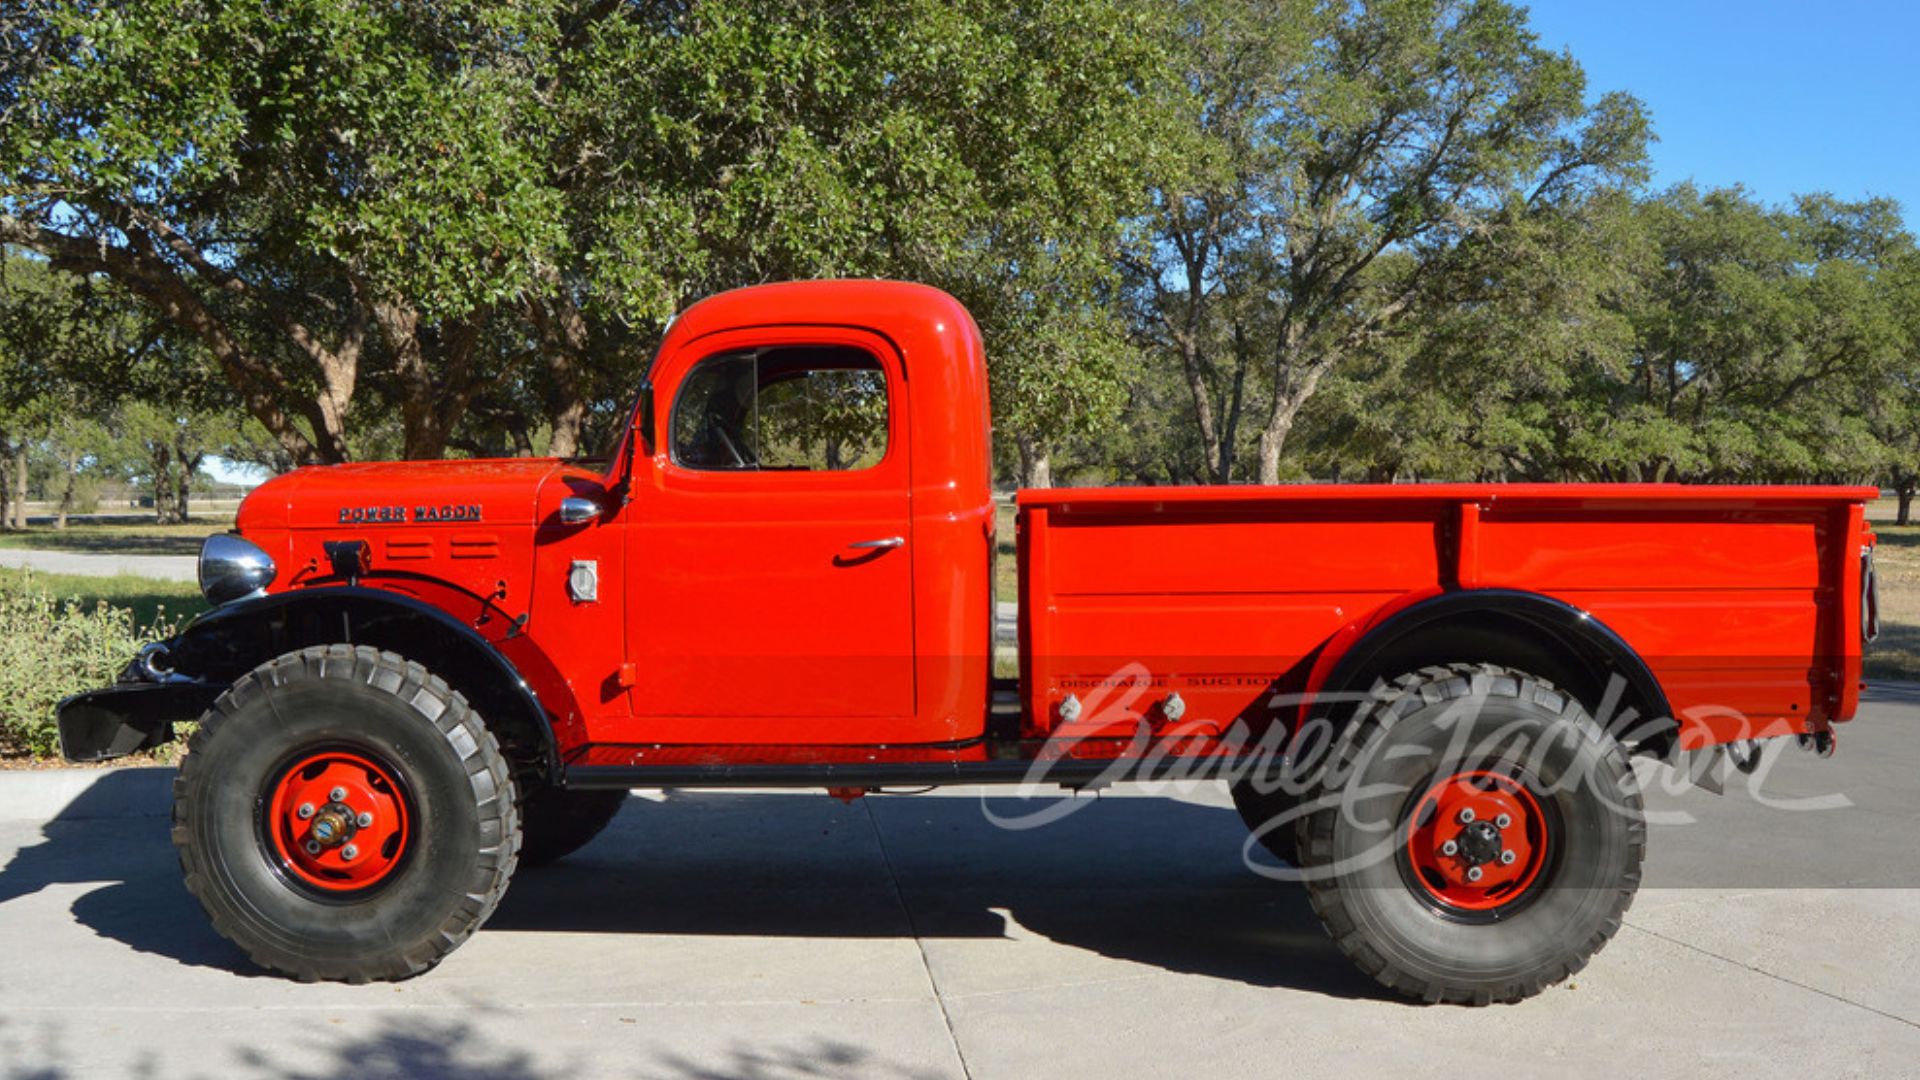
(1687, 336)
(1212, 240)
(51, 648)
(491, 209)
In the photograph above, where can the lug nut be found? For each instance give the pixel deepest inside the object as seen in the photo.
(313, 847)
(1473, 874)
(1449, 848)
(305, 811)
(338, 794)
(365, 819)
(1466, 815)
(1502, 821)
(1506, 858)
(349, 852)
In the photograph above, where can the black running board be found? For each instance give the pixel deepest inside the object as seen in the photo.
(1095, 763)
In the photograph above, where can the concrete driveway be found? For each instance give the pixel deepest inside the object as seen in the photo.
(769, 934)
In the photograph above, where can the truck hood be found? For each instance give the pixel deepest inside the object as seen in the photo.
(497, 491)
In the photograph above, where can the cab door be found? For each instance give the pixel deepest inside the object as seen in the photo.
(770, 591)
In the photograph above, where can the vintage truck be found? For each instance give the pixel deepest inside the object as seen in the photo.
(417, 676)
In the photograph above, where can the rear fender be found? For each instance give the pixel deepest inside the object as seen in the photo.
(1529, 631)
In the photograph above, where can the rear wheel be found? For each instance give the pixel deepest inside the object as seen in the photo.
(343, 814)
(1479, 837)
(555, 823)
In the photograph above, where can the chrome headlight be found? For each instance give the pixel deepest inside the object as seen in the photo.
(233, 569)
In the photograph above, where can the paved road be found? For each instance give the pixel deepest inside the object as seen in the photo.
(162, 567)
(770, 934)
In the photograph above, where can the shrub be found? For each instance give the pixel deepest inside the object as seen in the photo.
(52, 648)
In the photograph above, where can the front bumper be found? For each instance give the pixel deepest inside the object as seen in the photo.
(128, 717)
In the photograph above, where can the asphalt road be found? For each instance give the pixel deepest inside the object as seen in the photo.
(162, 567)
(769, 935)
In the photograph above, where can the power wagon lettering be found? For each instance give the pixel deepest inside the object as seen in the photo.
(396, 515)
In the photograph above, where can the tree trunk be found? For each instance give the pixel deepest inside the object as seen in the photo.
(1904, 492)
(66, 492)
(1036, 463)
(183, 482)
(1295, 377)
(6, 490)
(20, 488)
(1272, 440)
(433, 364)
(1273, 437)
(162, 457)
(567, 339)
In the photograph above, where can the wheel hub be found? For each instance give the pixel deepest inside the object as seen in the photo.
(1477, 841)
(333, 826)
(338, 820)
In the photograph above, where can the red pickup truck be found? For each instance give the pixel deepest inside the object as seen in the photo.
(1424, 698)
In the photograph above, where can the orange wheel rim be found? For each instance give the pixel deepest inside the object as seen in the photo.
(1477, 841)
(338, 821)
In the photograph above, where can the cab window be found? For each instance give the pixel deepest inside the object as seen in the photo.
(792, 409)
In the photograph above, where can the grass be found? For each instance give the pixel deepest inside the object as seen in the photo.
(1896, 561)
(148, 600)
(119, 537)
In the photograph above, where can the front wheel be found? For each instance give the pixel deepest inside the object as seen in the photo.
(1476, 838)
(343, 814)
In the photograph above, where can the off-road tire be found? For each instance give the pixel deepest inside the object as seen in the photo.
(1265, 815)
(466, 828)
(555, 822)
(1403, 937)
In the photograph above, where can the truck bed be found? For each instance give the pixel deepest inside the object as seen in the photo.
(1744, 602)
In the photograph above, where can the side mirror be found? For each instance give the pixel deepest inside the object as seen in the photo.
(575, 510)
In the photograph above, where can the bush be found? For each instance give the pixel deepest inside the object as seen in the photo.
(52, 648)
(86, 494)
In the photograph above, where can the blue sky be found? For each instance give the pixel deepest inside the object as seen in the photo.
(1784, 98)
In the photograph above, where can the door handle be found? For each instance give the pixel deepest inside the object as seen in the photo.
(882, 543)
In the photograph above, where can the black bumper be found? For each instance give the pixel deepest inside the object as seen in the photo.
(129, 717)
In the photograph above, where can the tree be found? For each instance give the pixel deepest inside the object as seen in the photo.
(997, 150)
(1681, 336)
(479, 205)
(1360, 150)
(66, 344)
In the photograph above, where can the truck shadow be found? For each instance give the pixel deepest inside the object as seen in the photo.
(1148, 880)
(115, 832)
(1153, 881)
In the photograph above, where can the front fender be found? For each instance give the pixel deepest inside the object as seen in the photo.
(223, 644)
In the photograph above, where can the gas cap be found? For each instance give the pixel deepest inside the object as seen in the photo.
(583, 581)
